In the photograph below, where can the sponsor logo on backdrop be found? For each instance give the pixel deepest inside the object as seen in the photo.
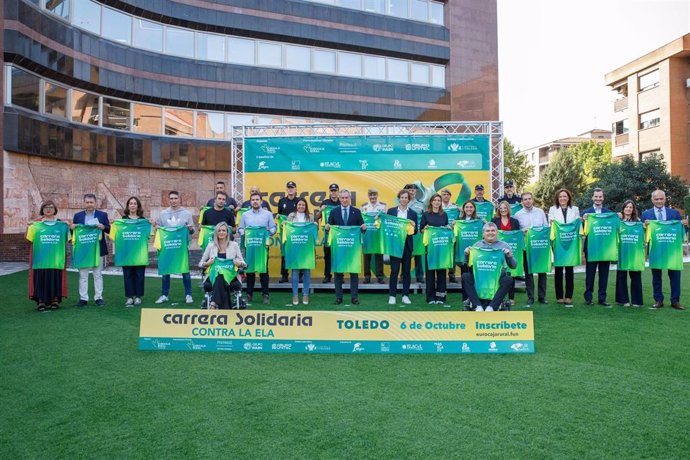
(295, 165)
(253, 346)
(262, 166)
(519, 347)
(330, 164)
(454, 147)
(417, 147)
(492, 346)
(466, 348)
(413, 347)
(281, 346)
(382, 147)
(364, 164)
(397, 164)
(357, 347)
(268, 149)
(385, 347)
(439, 347)
(432, 164)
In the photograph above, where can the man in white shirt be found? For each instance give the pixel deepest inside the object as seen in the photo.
(373, 206)
(529, 217)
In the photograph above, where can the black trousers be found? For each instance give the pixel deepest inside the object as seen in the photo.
(378, 265)
(529, 284)
(396, 262)
(283, 270)
(435, 285)
(251, 280)
(419, 266)
(134, 277)
(463, 269)
(569, 282)
(354, 285)
(635, 287)
(222, 291)
(504, 283)
(590, 271)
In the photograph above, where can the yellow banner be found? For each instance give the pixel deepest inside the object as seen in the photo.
(401, 331)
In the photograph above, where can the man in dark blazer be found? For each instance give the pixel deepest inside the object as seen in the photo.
(592, 267)
(92, 216)
(661, 212)
(345, 214)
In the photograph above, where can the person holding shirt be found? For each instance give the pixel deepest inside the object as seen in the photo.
(661, 212)
(528, 217)
(373, 206)
(286, 205)
(92, 216)
(134, 276)
(564, 212)
(434, 216)
(602, 267)
(221, 248)
(405, 261)
(467, 212)
(331, 202)
(634, 298)
(301, 214)
(504, 221)
(417, 206)
(257, 217)
(449, 205)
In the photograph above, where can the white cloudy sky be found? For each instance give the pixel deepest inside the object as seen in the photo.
(553, 55)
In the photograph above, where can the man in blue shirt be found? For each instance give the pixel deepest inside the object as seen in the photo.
(257, 217)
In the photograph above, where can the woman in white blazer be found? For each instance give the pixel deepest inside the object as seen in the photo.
(564, 211)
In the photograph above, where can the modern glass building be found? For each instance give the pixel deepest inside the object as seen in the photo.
(138, 97)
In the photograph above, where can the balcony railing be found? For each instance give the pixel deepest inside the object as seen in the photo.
(622, 139)
(620, 104)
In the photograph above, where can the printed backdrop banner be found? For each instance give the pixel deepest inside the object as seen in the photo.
(378, 332)
(357, 163)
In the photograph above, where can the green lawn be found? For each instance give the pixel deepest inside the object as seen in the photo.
(603, 383)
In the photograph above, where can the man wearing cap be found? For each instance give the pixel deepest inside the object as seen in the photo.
(485, 209)
(331, 202)
(418, 207)
(509, 194)
(447, 205)
(373, 206)
(479, 194)
(286, 205)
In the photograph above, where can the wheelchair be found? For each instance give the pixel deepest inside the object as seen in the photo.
(503, 306)
(237, 301)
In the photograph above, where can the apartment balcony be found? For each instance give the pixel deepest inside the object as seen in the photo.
(622, 139)
(620, 104)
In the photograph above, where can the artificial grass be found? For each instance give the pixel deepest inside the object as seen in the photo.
(603, 383)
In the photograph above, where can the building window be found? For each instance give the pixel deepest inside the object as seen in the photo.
(419, 73)
(350, 65)
(270, 54)
(648, 154)
(84, 108)
(179, 42)
(438, 76)
(210, 125)
(324, 61)
(620, 127)
(25, 89)
(117, 26)
(374, 68)
(210, 47)
(397, 8)
(148, 119)
(241, 51)
(375, 6)
(179, 122)
(148, 35)
(55, 102)
(297, 58)
(87, 15)
(419, 10)
(116, 113)
(436, 12)
(649, 80)
(650, 119)
(397, 71)
(58, 7)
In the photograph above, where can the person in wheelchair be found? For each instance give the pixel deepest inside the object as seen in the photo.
(505, 281)
(218, 251)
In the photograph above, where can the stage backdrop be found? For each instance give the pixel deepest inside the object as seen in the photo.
(357, 163)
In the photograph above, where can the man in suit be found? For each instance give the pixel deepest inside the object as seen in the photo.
(345, 214)
(661, 212)
(92, 216)
(592, 267)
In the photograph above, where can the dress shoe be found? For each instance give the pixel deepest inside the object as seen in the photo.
(81, 303)
(355, 301)
(326, 279)
(367, 280)
(543, 301)
(588, 302)
(452, 279)
(338, 301)
(381, 280)
(420, 279)
(677, 306)
(283, 280)
(605, 304)
(657, 305)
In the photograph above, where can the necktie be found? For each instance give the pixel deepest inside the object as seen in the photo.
(344, 216)
(659, 214)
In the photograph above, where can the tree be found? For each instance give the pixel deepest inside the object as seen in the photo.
(516, 167)
(635, 180)
(564, 171)
(593, 156)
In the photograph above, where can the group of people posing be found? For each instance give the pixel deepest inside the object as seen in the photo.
(491, 247)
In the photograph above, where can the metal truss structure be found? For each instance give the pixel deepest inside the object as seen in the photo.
(494, 129)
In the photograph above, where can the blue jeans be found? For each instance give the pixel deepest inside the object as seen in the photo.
(306, 282)
(186, 282)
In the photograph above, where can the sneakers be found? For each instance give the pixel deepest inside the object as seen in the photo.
(188, 299)
(99, 303)
(130, 302)
(406, 300)
(265, 297)
(81, 303)
(489, 308)
(480, 308)
(391, 300)
(305, 300)
(162, 299)
(295, 300)
(137, 301)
